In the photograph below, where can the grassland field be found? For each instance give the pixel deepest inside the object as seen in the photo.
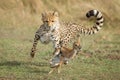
(19, 20)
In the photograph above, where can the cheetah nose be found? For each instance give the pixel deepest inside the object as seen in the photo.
(48, 26)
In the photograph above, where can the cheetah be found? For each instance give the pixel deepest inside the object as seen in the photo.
(65, 54)
(60, 34)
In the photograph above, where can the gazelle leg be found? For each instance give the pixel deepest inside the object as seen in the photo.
(60, 64)
(51, 70)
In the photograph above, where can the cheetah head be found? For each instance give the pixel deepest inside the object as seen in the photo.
(50, 19)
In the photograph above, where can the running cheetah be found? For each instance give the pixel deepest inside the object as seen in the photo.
(61, 34)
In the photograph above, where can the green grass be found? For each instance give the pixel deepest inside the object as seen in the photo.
(19, 19)
(102, 64)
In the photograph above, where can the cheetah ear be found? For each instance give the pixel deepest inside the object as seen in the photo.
(55, 13)
(42, 14)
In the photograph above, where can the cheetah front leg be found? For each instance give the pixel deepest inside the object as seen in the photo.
(33, 50)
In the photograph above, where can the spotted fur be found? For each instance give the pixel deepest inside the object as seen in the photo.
(62, 33)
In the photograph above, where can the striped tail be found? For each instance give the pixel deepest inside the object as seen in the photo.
(99, 22)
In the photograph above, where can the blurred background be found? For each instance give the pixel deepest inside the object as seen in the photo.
(19, 20)
(28, 12)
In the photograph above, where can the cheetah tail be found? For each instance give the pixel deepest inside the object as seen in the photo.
(99, 22)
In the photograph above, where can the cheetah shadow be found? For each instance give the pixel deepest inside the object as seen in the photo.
(34, 67)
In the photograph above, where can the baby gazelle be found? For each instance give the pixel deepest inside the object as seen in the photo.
(64, 55)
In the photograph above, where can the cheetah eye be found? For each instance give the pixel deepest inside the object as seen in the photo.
(53, 21)
(46, 21)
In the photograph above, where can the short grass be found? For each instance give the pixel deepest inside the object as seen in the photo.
(19, 19)
(100, 58)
